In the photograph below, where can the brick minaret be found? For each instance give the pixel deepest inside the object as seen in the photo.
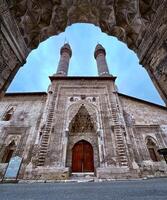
(63, 65)
(100, 56)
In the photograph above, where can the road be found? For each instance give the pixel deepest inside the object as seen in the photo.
(152, 189)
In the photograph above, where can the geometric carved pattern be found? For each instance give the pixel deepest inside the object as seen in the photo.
(82, 122)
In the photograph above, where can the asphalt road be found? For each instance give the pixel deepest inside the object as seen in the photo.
(153, 189)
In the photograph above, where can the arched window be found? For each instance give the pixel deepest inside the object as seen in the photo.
(152, 148)
(9, 152)
(8, 115)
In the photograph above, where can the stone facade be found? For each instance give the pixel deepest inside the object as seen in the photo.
(123, 132)
(118, 128)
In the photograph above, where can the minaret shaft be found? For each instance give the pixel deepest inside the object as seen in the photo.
(63, 65)
(100, 56)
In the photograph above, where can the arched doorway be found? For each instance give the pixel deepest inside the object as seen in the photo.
(9, 150)
(152, 149)
(82, 157)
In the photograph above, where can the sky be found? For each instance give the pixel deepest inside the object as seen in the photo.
(132, 78)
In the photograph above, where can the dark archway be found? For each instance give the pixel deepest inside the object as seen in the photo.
(9, 150)
(140, 24)
(82, 157)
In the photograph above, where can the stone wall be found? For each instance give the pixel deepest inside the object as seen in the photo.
(118, 127)
(23, 125)
(146, 120)
(142, 113)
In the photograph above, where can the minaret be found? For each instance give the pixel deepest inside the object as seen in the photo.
(63, 65)
(100, 56)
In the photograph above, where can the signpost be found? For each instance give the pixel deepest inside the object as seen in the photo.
(13, 168)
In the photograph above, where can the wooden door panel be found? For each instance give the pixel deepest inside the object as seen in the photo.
(88, 165)
(77, 157)
(82, 157)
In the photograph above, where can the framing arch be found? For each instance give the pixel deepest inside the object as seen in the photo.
(26, 23)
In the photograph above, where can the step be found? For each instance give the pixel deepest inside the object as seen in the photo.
(49, 120)
(44, 143)
(47, 129)
(41, 159)
(42, 154)
(40, 164)
(83, 174)
(124, 163)
(119, 136)
(44, 147)
(123, 157)
(119, 141)
(43, 151)
(121, 150)
(121, 154)
(45, 138)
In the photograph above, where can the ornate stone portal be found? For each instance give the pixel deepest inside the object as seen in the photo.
(141, 24)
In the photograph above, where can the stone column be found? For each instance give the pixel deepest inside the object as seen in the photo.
(99, 55)
(63, 65)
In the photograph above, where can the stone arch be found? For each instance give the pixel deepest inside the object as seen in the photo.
(152, 147)
(151, 138)
(8, 114)
(89, 134)
(75, 142)
(40, 19)
(140, 24)
(10, 138)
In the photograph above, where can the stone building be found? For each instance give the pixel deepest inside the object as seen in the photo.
(82, 125)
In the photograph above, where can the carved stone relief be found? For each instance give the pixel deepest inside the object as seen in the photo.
(82, 122)
(161, 70)
(38, 20)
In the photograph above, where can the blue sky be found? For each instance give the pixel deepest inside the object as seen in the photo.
(132, 78)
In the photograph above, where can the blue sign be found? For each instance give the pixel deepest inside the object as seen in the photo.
(13, 168)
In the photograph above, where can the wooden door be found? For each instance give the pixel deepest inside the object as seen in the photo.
(82, 157)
